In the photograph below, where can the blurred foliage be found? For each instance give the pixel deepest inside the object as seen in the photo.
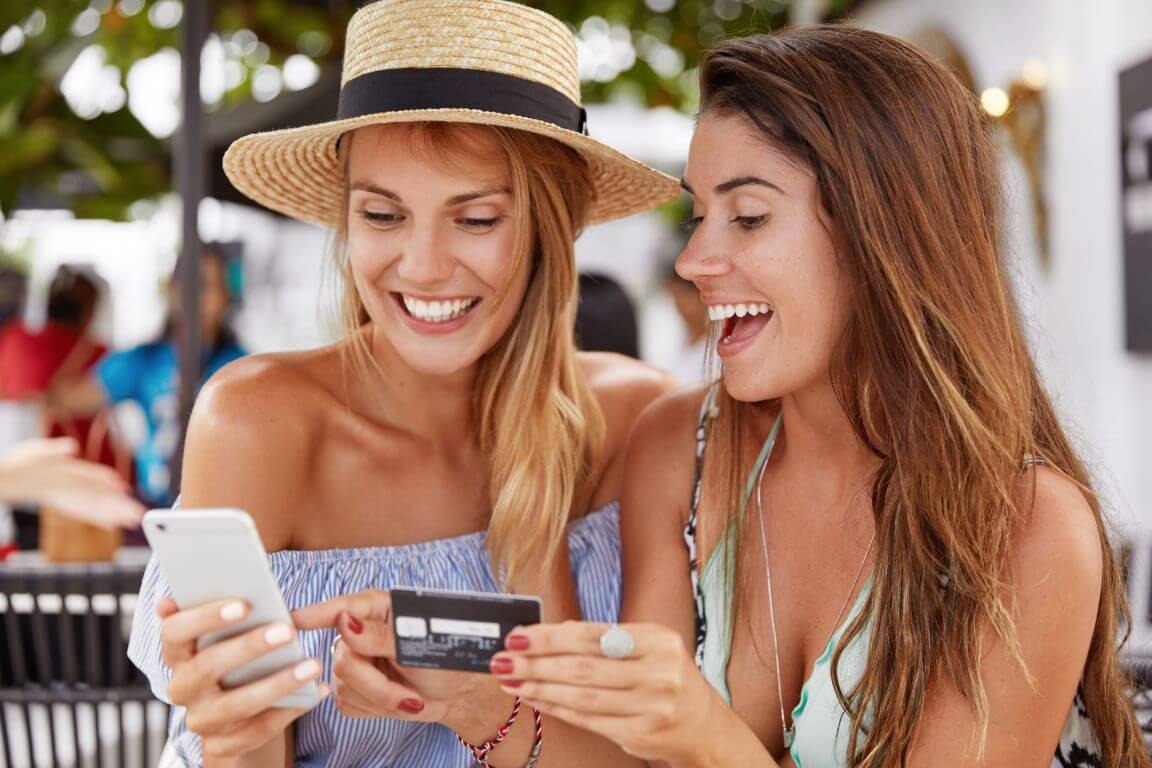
(688, 26)
(97, 166)
(100, 166)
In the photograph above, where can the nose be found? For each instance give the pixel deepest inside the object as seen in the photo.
(701, 259)
(424, 262)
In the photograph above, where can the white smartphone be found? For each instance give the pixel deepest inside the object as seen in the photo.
(216, 554)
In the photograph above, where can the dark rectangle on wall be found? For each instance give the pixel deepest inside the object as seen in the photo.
(1136, 202)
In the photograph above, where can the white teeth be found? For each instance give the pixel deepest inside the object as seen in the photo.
(437, 311)
(718, 312)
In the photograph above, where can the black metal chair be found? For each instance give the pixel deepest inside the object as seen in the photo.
(68, 694)
(1142, 696)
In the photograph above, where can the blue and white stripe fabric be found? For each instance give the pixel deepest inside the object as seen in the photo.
(324, 737)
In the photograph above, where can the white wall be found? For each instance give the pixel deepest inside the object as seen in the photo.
(1075, 311)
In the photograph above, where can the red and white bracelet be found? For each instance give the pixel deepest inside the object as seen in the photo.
(538, 744)
(480, 752)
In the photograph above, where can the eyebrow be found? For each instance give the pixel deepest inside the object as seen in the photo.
(375, 189)
(731, 184)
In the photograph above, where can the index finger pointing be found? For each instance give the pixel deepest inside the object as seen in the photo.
(370, 605)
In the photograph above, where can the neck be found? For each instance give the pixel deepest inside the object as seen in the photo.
(816, 433)
(439, 408)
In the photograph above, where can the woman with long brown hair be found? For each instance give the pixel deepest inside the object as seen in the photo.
(900, 557)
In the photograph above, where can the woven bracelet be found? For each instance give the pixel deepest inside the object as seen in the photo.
(480, 752)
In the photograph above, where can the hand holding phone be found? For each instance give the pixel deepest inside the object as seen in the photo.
(198, 552)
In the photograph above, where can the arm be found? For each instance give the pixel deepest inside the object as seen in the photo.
(655, 704)
(113, 380)
(1057, 569)
(243, 451)
(82, 394)
(48, 472)
(653, 512)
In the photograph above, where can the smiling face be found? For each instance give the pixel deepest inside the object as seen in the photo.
(432, 236)
(763, 260)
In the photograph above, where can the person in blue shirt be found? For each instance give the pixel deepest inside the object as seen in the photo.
(149, 375)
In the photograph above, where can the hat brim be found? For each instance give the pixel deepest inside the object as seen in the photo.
(296, 171)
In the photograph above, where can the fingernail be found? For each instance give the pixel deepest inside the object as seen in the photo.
(501, 666)
(232, 611)
(512, 683)
(278, 634)
(518, 642)
(412, 706)
(356, 626)
(306, 670)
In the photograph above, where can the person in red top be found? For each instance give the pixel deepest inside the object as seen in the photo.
(32, 360)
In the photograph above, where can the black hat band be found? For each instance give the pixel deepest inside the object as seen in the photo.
(395, 90)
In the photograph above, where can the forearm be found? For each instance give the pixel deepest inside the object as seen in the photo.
(80, 395)
(275, 752)
(726, 741)
(563, 746)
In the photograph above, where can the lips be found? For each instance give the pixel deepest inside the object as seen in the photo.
(737, 329)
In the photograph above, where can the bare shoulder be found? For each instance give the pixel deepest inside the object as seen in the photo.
(262, 392)
(622, 385)
(1059, 547)
(661, 456)
(669, 422)
(251, 437)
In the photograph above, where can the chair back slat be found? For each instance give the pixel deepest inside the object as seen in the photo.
(66, 629)
(63, 659)
(18, 666)
(41, 650)
(5, 739)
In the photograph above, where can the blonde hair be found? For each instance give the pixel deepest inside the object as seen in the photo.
(536, 417)
(933, 372)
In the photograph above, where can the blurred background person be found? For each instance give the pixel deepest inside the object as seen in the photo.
(148, 375)
(606, 317)
(690, 363)
(32, 359)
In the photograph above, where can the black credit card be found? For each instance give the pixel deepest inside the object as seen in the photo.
(456, 630)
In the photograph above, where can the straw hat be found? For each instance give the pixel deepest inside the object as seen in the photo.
(489, 62)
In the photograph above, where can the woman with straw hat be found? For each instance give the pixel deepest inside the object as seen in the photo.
(455, 433)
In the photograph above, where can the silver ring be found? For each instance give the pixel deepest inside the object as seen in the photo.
(617, 643)
(332, 648)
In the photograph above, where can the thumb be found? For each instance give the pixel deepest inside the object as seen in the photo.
(367, 637)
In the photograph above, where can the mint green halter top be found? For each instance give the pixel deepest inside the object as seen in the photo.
(822, 726)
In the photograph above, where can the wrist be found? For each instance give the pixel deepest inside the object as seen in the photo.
(10, 490)
(709, 739)
(477, 713)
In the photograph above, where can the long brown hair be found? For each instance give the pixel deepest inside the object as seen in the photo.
(932, 370)
(536, 417)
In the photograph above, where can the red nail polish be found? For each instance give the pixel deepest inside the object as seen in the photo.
(518, 642)
(512, 683)
(357, 628)
(412, 706)
(501, 666)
